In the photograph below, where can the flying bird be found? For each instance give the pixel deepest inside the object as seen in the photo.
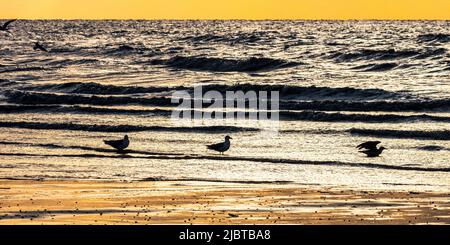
(4, 27)
(38, 46)
(119, 145)
(376, 152)
(371, 149)
(368, 145)
(221, 147)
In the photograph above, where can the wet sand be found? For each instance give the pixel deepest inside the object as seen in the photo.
(195, 202)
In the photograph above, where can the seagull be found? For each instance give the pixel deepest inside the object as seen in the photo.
(119, 145)
(221, 147)
(38, 46)
(371, 148)
(368, 145)
(374, 152)
(4, 27)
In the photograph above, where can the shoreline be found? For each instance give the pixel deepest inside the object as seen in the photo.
(67, 202)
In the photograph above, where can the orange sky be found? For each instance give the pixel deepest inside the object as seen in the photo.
(226, 9)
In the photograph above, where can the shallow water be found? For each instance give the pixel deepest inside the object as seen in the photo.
(341, 83)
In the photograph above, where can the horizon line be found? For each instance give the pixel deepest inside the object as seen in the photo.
(231, 19)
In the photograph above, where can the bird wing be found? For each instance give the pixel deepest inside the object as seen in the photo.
(215, 146)
(369, 145)
(367, 152)
(113, 143)
(7, 23)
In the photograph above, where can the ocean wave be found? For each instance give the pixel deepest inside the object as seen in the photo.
(442, 38)
(339, 117)
(6, 83)
(299, 92)
(376, 67)
(122, 49)
(27, 108)
(311, 92)
(284, 115)
(403, 134)
(101, 89)
(70, 62)
(370, 54)
(367, 106)
(16, 109)
(432, 148)
(240, 38)
(162, 178)
(122, 128)
(8, 69)
(431, 53)
(224, 65)
(30, 98)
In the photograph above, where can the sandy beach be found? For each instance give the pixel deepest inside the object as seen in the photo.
(195, 202)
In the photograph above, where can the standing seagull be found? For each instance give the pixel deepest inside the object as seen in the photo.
(119, 145)
(4, 27)
(371, 148)
(221, 147)
(38, 46)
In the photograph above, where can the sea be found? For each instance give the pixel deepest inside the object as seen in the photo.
(340, 83)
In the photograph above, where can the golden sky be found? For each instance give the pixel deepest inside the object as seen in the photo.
(225, 9)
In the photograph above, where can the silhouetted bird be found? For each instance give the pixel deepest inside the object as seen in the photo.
(119, 144)
(370, 145)
(374, 152)
(38, 46)
(4, 27)
(221, 147)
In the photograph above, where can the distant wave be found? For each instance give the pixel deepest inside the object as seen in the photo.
(69, 99)
(403, 134)
(373, 54)
(20, 97)
(391, 54)
(430, 53)
(284, 115)
(333, 105)
(6, 82)
(241, 38)
(96, 88)
(122, 49)
(122, 128)
(376, 67)
(79, 109)
(213, 180)
(433, 148)
(339, 117)
(312, 92)
(224, 65)
(21, 69)
(443, 38)
(298, 92)
(70, 62)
